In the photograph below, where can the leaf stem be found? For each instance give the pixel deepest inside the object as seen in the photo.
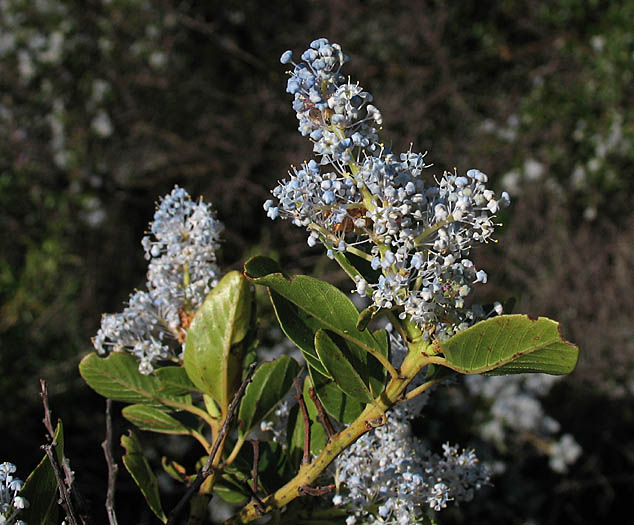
(193, 409)
(422, 388)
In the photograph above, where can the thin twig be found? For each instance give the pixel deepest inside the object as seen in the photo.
(317, 491)
(63, 492)
(208, 469)
(48, 423)
(325, 420)
(113, 468)
(64, 481)
(302, 406)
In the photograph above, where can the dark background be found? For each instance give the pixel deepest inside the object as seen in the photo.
(537, 94)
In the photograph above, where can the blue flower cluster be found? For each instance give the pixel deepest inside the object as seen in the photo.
(358, 197)
(182, 270)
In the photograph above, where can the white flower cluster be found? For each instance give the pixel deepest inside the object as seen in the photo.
(181, 272)
(516, 412)
(277, 424)
(359, 198)
(10, 502)
(388, 477)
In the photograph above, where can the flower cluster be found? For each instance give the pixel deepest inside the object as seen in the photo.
(10, 502)
(359, 198)
(388, 476)
(182, 270)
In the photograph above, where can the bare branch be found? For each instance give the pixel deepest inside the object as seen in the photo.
(113, 468)
(48, 423)
(65, 480)
(325, 420)
(316, 491)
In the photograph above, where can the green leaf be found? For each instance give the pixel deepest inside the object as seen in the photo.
(174, 381)
(274, 469)
(510, 344)
(271, 382)
(217, 339)
(366, 316)
(318, 436)
(140, 470)
(173, 469)
(117, 377)
(295, 436)
(211, 406)
(153, 419)
(325, 303)
(299, 328)
(40, 488)
(354, 265)
(340, 367)
(339, 405)
(230, 491)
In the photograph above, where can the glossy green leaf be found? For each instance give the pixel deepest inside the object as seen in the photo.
(140, 470)
(270, 383)
(339, 405)
(341, 368)
(510, 344)
(174, 381)
(299, 328)
(217, 337)
(153, 419)
(325, 303)
(117, 377)
(40, 487)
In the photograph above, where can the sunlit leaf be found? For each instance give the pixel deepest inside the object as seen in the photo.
(510, 344)
(216, 339)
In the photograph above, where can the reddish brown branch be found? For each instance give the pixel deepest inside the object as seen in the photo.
(316, 491)
(325, 420)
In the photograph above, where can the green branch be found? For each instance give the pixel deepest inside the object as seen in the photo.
(372, 416)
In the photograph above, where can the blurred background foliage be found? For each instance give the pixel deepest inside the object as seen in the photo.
(105, 105)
